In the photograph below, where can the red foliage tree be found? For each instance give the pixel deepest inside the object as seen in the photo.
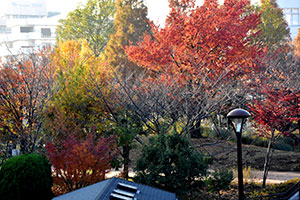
(203, 42)
(206, 49)
(78, 163)
(275, 115)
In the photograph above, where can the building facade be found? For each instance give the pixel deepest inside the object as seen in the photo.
(24, 26)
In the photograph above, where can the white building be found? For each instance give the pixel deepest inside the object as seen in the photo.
(24, 26)
(24, 9)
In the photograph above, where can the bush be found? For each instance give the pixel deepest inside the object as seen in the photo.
(80, 162)
(284, 143)
(222, 133)
(219, 180)
(170, 163)
(26, 177)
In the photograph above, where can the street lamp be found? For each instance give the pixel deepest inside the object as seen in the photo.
(237, 118)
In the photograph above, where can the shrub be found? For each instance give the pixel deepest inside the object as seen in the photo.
(247, 174)
(249, 138)
(219, 180)
(170, 163)
(26, 177)
(222, 133)
(275, 188)
(80, 162)
(284, 143)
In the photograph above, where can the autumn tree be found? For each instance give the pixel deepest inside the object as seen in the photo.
(297, 45)
(275, 115)
(92, 22)
(72, 106)
(130, 24)
(121, 121)
(207, 47)
(25, 87)
(210, 38)
(80, 162)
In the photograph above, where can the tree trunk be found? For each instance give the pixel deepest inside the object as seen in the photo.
(268, 159)
(126, 161)
(23, 145)
(196, 130)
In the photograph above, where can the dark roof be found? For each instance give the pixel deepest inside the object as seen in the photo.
(104, 189)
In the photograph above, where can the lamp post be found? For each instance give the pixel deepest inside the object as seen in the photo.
(237, 118)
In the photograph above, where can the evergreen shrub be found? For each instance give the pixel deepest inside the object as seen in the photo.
(170, 163)
(26, 176)
(219, 180)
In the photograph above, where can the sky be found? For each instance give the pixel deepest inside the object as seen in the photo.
(157, 9)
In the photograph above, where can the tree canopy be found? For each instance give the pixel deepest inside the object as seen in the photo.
(92, 22)
(72, 104)
(25, 85)
(273, 27)
(201, 42)
(130, 24)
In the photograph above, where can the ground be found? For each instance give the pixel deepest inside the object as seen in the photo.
(224, 154)
(285, 166)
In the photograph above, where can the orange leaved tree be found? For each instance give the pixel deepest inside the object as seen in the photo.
(203, 42)
(25, 87)
(206, 49)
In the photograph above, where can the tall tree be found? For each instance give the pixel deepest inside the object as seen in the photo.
(274, 28)
(25, 87)
(205, 48)
(130, 24)
(200, 42)
(72, 103)
(92, 22)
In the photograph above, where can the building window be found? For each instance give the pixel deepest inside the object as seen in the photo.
(292, 16)
(295, 19)
(46, 32)
(26, 29)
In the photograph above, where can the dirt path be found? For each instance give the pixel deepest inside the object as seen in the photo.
(274, 176)
(256, 176)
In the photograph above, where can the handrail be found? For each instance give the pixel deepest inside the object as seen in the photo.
(280, 196)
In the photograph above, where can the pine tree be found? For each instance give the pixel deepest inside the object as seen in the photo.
(130, 24)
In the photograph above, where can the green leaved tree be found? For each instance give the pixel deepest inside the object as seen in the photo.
(92, 22)
(274, 28)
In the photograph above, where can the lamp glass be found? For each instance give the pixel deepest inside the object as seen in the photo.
(237, 122)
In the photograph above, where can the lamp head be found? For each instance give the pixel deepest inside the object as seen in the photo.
(238, 117)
